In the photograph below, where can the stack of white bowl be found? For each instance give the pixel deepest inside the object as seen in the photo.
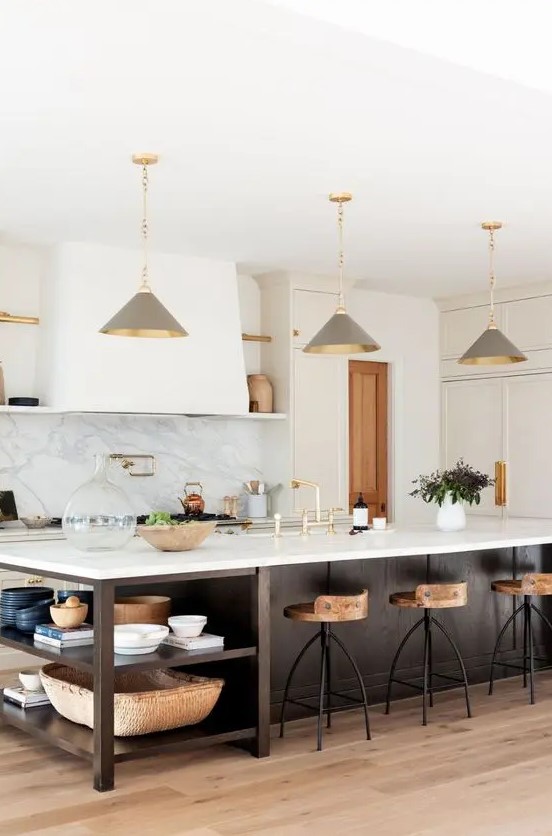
(135, 639)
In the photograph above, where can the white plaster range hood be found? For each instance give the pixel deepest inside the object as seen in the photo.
(80, 369)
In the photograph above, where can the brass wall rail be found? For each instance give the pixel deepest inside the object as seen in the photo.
(255, 338)
(21, 320)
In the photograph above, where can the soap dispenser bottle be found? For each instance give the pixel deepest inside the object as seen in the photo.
(360, 514)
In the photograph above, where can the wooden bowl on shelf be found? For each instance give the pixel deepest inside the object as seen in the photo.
(65, 616)
(142, 609)
(177, 538)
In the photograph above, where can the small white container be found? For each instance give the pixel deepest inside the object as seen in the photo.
(187, 626)
(257, 505)
(30, 680)
(379, 523)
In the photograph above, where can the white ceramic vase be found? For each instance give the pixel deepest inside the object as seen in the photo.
(451, 516)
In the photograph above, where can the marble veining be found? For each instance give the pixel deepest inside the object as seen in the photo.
(44, 458)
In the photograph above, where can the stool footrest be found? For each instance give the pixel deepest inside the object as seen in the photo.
(325, 709)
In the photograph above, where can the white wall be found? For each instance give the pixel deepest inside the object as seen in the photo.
(407, 328)
(249, 295)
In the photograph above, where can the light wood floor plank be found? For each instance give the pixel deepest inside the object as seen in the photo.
(489, 776)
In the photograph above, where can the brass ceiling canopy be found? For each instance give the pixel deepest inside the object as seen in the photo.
(341, 334)
(492, 348)
(144, 315)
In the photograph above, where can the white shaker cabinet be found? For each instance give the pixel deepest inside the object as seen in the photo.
(320, 428)
(528, 448)
(473, 429)
(506, 419)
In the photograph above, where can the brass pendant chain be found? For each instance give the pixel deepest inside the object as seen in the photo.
(144, 227)
(341, 258)
(492, 278)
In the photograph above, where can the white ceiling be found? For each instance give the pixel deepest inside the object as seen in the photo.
(258, 112)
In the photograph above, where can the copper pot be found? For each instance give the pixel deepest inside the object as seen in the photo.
(193, 502)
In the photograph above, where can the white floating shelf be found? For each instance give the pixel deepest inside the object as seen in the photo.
(49, 410)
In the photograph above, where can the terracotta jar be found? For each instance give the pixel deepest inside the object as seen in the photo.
(260, 392)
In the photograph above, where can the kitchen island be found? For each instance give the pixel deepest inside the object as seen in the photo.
(231, 580)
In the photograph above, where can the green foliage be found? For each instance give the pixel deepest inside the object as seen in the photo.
(160, 518)
(462, 482)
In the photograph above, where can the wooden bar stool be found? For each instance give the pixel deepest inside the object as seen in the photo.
(432, 596)
(327, 610)
(530, 585)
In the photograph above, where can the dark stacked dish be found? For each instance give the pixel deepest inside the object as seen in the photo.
(25, 606)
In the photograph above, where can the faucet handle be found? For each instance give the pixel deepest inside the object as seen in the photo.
(331, 511)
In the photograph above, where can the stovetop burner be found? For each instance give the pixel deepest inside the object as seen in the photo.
(141, 519)
(186, 517)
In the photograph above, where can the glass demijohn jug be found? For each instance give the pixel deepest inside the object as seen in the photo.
(99, 517)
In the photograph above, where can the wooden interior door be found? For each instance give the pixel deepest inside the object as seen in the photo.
(368, 435)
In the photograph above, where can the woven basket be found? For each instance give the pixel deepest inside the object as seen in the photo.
(145, 701)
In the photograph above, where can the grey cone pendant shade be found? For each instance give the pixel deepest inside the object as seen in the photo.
(144, 315)
(341, 334)
(492, 348)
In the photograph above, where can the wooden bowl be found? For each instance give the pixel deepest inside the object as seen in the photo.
(142, 609)
(68, 616)
(176, 538)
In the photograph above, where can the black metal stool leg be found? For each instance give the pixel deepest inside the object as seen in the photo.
(302, 652)
(356, 669)
(525, 636)
(324, 639)
(460, 662)
(426, 667)
(329, 680)
(527, 607)
(497, 646)
(394, 663)
(430, 660)
(541, 615)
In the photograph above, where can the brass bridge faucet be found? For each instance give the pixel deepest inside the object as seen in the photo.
(127, 462)
(306, 524)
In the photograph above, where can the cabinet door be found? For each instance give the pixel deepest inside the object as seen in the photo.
(320, 441)
(311, 310)
(529, 452)
(473, 430)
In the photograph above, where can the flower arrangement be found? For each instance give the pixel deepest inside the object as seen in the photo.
(462, 483)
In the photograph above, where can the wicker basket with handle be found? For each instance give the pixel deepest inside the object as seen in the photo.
(145, 701)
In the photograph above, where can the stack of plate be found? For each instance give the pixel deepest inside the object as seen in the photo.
(19, 598)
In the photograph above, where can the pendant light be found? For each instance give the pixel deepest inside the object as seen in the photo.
(492, 348)
(341, 334)
(144, 315)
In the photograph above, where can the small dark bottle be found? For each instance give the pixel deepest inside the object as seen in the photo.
(360, 514)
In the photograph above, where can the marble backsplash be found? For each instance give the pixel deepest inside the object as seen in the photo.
(44, 458)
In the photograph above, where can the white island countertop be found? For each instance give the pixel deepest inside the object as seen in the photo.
(139, 559)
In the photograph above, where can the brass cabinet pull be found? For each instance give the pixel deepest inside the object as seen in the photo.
(500, 483)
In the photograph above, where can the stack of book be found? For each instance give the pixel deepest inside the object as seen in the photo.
(207, 641)
(62, 637)
(25, 699)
